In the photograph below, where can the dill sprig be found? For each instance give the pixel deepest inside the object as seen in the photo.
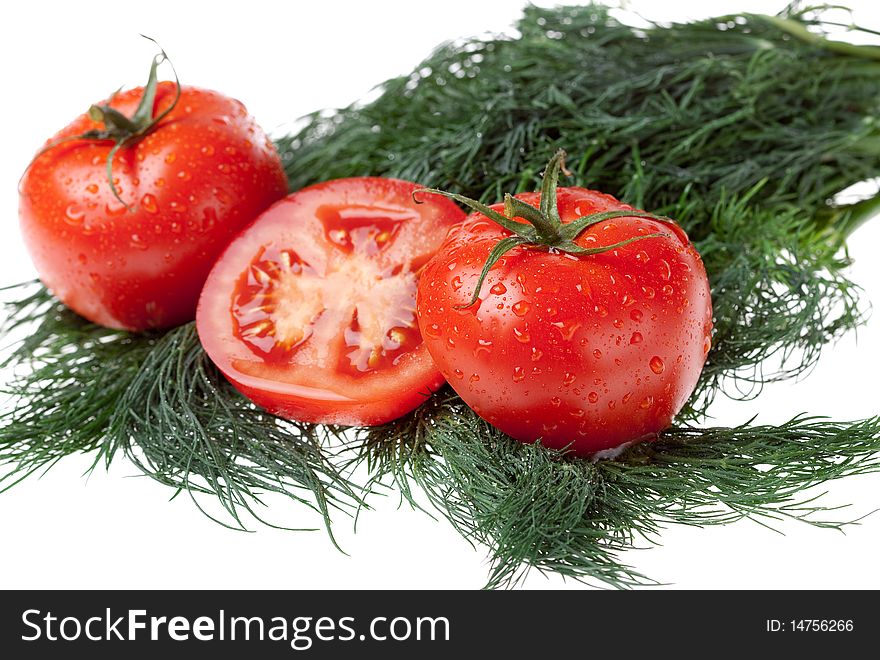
(157, 398)
(538, 509)
(744, 128)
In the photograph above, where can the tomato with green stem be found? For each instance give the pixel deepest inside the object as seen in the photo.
(125, 210)
(310, 311)
(567, 317)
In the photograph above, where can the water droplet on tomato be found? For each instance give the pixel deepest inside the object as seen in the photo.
(665, 270)
(601, 310)
(646, 403)
(433, 331)
(458, 374)
(176, 227)
(92, 188)
(184, 175)
(642, 257)
(520, 308)
(636, 315)
(522, 334)
(83, 259)
(626, 398)
(648, 291)
(74, 214)
(556, 401)
(483, 346)
(148, 202)
(498, 289)
(657, 365)
(456, 283)
(668, 290)
(518, 374)
(137, 242)
(597, 354)
(636, 338)
(207, 150)
(450, 342)
(537, 354)
(617, 323)
(97, 160)
(475, 378)
(170, 158)
(593, 397)
(568, 378)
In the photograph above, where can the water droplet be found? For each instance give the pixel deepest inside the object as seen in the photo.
(642, 257)
(636, 315)
(74, 214)
(498, 289)
(176, 227)
(92, 188)
(522, 334)
(600, 310)
(451, 265)
(170, 158)
(458, 374)
(667, 290)
(648, 291)
(518, 374)
(456, 283)
(83, 259)
(556, 401)
(567, 327)
(160, 182)
(207, 150)
(537, 354)
(184, 175)
(137, 242)
(593, 397)
(96, 160)
(149, 203)
(521, 308)
(665, 270)
(568, 378)
(626, 398)
(433, 331)
(450, 342)
(475, 378)
(636, 338)
(646, 403)
(611, 404)
(617, 323)
(597, 354)
(483, 346)
(657, 365)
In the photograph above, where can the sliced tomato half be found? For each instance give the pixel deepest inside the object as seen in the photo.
(310, 311)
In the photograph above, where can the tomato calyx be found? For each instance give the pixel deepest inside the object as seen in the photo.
(118, 128)
(543, 226)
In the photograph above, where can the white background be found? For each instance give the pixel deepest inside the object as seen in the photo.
(284, 60)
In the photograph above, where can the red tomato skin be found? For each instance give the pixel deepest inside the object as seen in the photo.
(311, 394)
(192, 183)
(586, 352)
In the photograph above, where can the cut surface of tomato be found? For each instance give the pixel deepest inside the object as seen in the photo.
(310, 311)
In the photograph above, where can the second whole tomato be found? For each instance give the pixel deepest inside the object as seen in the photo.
(589, 348)
(133, 251)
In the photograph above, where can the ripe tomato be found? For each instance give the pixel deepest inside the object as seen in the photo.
(190, 184)
(310, 311)
(579, 351)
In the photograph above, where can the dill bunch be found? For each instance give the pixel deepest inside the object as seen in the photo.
(744, 128)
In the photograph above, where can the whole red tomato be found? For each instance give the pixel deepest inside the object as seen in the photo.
(584, 350)
(310, 311)
(135, 254)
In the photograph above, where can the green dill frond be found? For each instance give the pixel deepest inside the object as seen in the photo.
(644, 114)
(80, 388)
(538, 509)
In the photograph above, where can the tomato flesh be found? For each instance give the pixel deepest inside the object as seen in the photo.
(310, 312)
(584, 352)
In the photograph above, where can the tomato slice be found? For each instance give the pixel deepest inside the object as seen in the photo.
(310, 311)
